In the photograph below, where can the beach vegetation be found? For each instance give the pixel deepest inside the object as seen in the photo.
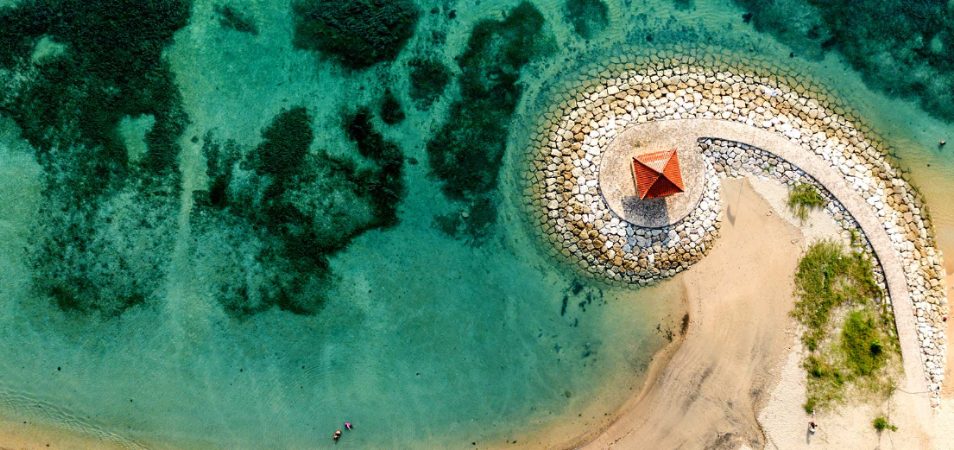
(355, 33)
(829, 277)
(467, 151)
(429, 78)
(848, 331)
(881, 423)
(861, 341)
(588, 17)
(804, 197)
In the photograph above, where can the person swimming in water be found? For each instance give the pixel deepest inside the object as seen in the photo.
(336, 436)
(348, 426)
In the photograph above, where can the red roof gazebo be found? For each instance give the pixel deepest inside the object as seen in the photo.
(657, 174)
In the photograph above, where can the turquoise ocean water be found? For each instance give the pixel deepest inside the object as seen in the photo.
(180, 298)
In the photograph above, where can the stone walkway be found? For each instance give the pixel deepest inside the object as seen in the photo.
(686, 132)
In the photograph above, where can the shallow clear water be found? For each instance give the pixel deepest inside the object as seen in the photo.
(424, 339)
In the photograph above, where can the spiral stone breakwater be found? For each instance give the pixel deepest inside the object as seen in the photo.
(681, 101)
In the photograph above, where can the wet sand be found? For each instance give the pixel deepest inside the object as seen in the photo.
(16, 435)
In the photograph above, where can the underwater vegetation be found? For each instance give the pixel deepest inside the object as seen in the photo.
(382, 184)
(68, 87)
(467, 151)
(77, 96)
(905, 48)
(273, 215)
(683, 4)
(429, 78)
(232, 18)
(355, 33)
(588, 17)
(391, 111)
(105, 121)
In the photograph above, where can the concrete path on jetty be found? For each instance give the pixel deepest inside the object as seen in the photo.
(685, 133)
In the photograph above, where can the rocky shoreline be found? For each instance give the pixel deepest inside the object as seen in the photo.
(563, 165)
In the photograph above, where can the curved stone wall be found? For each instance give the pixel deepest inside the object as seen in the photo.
(563, 196)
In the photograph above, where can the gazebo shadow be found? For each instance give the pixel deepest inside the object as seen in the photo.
(653, 211)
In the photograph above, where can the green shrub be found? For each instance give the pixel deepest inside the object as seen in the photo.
(804, 197)
(881, 423)
(355, 33)
(810, 404)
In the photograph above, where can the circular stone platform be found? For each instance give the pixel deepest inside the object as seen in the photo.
(618, 187)
(774, 111)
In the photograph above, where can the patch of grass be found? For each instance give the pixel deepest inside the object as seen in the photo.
(881, 423)
(862, 342)
(804, 197)
(829, 277)
(356, 33)
(429, 77)
(588, 17)
(849, 334)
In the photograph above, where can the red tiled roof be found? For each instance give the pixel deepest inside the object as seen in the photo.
(657, 174)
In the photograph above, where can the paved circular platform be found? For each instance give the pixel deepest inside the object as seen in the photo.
(619, 189)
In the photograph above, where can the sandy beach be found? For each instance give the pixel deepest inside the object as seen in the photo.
(709, 393)
(735, 379)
